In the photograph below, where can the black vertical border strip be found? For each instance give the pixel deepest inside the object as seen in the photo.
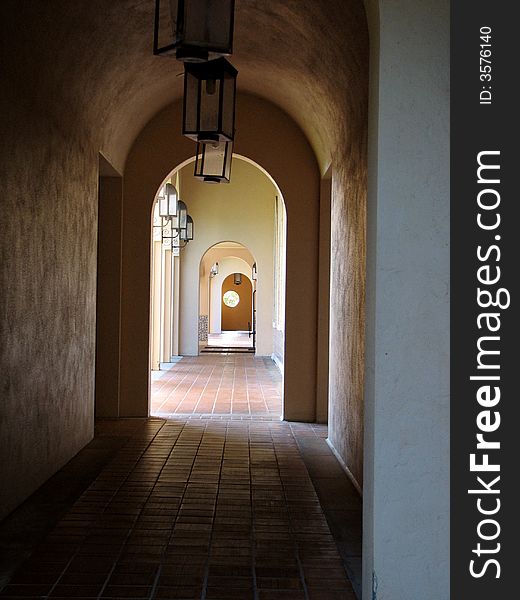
(476, 128)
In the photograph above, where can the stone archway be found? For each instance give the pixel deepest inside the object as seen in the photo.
(296, 173)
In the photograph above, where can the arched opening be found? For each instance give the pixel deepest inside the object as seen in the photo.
(188, 317)
(223, 324)
(279, 149)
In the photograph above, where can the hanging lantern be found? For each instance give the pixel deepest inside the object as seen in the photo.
(172, 225)
(209, 101)
(168, 202)
(201, 29)
(213, 161)
(176, 228)
(237, 278)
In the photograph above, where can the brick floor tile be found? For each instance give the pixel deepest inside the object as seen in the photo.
(221, 509)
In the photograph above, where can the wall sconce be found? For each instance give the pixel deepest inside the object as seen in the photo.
(237, 278)
(209, 101)
(254, 272)
(168, 202)
(176, 229)
(213, 162)
(214, 270)
(186, 235)
(201, 29)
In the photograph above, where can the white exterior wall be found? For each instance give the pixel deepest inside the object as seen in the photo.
(406, 493)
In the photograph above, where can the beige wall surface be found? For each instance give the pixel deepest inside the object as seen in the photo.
(48, 245)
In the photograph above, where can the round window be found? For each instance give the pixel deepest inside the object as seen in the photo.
(231, 299)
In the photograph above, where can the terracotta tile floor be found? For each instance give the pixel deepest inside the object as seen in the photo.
(240, 385)
(185, 509)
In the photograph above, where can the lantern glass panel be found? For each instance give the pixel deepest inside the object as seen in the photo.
(186, 235)
(213, 163)
(205, 24)
(191, 104)
(209, 107)
(163, 206)
(171, 200)
(227, 126)
(189, 229)
(182, 215)
(194, 30)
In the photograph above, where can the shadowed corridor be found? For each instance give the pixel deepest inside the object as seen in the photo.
(221, 506)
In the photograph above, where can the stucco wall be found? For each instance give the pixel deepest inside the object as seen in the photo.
(347, 320)
(47, 298)
(406, 494)
(108, 288)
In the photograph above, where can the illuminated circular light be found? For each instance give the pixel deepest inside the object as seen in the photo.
(231, 299)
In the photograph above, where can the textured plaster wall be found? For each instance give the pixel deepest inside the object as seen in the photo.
(347, 319)
(47, 299)
(108, 289)
(322, 376)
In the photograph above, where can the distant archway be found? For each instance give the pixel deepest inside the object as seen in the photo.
(221, 264)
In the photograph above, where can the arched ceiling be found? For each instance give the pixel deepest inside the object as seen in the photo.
(92, 59)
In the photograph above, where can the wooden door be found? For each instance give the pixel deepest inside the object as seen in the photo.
(236, 316)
